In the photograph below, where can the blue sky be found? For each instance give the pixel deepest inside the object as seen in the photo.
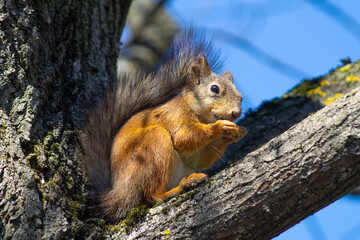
(290, 30)
(300, 35)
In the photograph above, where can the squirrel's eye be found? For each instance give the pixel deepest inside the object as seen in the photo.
(215, 88)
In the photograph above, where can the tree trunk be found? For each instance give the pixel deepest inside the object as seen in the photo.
(291, 177)
(53, 55)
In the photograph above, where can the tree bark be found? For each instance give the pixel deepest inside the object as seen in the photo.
(291, 177)
(53, 55)
(56, 55)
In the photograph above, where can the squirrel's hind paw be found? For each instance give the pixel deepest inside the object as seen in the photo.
(193, 180)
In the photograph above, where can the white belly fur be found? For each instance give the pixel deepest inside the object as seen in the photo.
(184, 166)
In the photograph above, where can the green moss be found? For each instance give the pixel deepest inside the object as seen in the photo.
(45, 157)
(158, 204)
(54, 147)
(47, 140)
(39, 186)
(182, 192)
(32, 161)
(186, 197)
(165, 210)
(119, 228)
(47, 198)
(74, 209)
(79, 198)
(303, 88)
(2, 130)
(131, 219)
(209, 180)
(69, 181)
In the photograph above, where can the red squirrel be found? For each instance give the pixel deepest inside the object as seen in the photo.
(147, 139)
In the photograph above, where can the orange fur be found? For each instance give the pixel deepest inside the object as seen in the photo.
(155, 143)
(147, 139)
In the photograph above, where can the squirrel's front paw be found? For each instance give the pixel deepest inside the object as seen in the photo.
(242, 132)
(230, 130)
(193, 180)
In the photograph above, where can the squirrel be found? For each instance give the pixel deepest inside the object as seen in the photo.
(147, 139)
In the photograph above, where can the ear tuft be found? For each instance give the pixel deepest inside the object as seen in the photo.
(200, 68)
(228, 75)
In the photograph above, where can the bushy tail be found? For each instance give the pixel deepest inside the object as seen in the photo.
(128, 95)
(125, 97)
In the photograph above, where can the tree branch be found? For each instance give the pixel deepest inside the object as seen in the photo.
(294, 175)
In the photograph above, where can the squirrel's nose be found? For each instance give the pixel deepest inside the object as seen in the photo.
(236, 114)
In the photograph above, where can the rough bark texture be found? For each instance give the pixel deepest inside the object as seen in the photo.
(53, 55)
(295, 174)
(56, 54)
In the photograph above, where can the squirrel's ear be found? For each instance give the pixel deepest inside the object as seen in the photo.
(228, 75)
(200, 68)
